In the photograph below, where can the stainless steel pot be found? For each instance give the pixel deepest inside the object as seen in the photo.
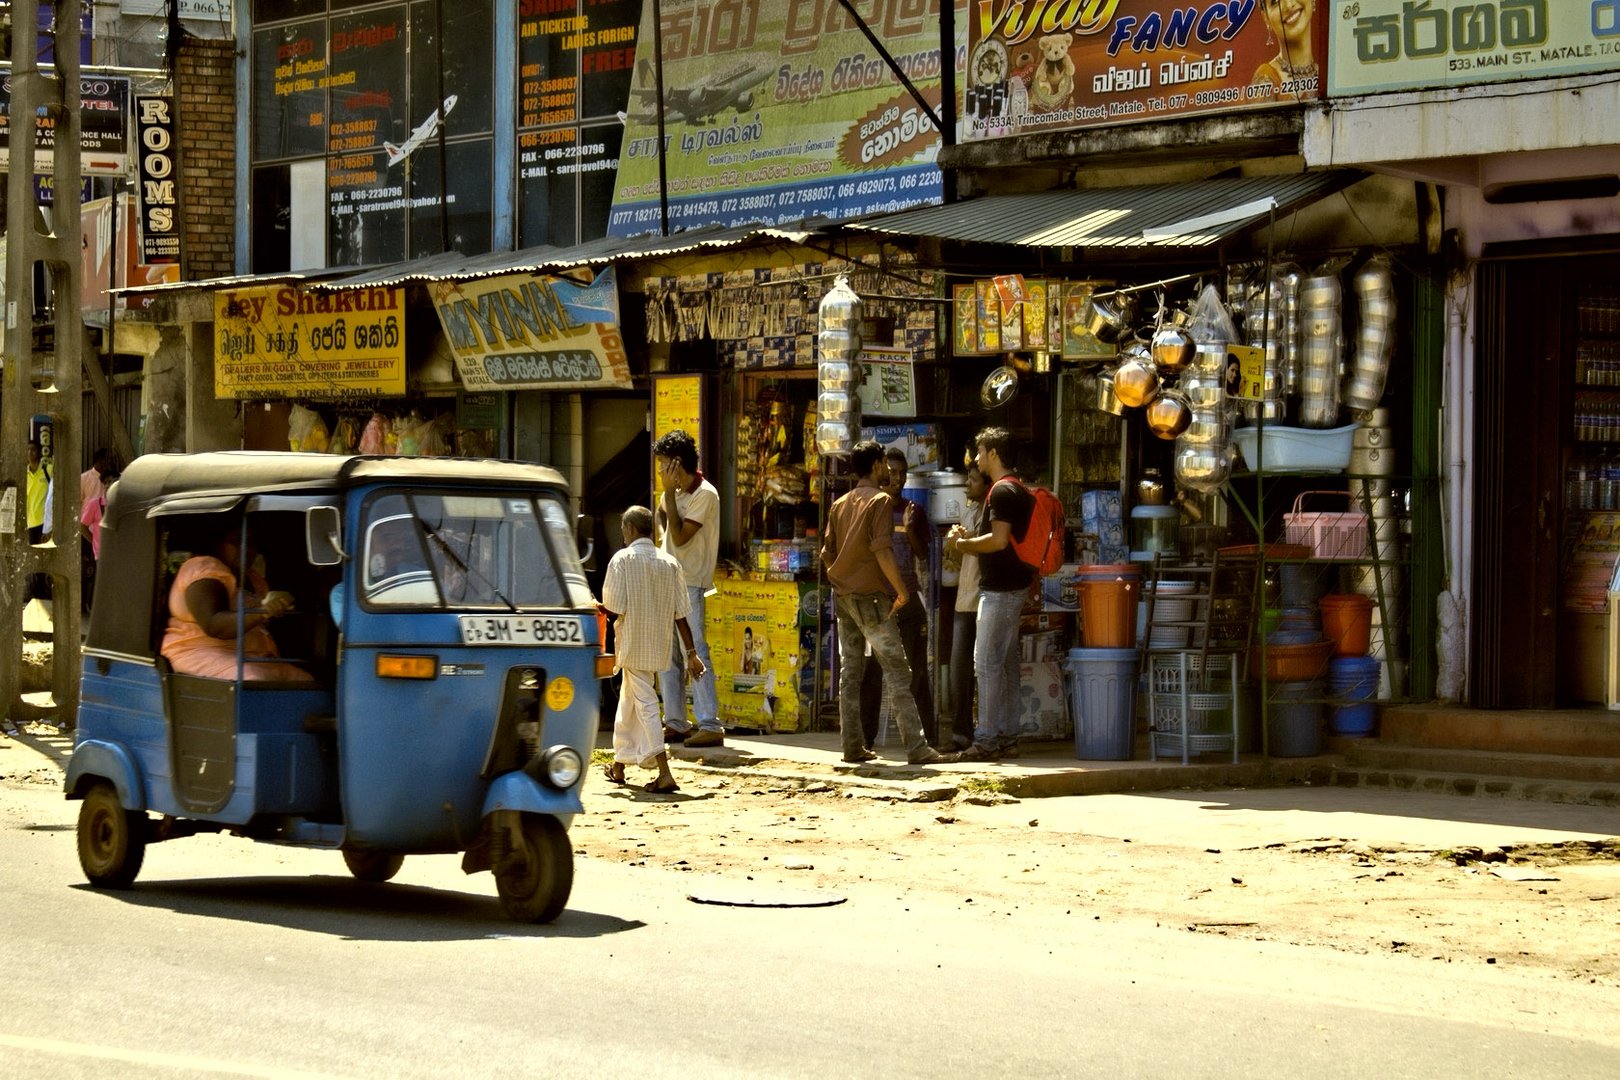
(1111, 316)
(1173, 349)
(1107, 400)
(1136, 382)
(1169, 415)
(1203, 467)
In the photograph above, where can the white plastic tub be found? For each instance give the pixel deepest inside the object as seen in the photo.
(1292, 449)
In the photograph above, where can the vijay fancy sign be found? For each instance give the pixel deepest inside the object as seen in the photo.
(1049, 65)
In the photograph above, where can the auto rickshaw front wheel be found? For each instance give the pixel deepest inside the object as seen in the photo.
(537, 875)
(372, 866)
(112, 840)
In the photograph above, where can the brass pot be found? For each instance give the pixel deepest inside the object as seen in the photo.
(1136, 382)
(1168, 415)
(1173, 349)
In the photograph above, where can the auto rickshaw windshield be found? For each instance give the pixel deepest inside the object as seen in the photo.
(504, 550)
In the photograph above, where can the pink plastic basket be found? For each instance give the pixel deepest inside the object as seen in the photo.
(1339, 535)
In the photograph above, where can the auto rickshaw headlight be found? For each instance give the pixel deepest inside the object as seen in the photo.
(561, 766)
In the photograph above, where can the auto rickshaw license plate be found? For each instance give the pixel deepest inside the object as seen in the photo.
(521, 630)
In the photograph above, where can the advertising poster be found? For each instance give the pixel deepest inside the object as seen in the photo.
(103, 126)
(1039, 67)
(777, 112)
(534, 332)
(888, 382)
(106, 262)
(1402, 44)
(275, 342)
(750, 651)
(677, 406)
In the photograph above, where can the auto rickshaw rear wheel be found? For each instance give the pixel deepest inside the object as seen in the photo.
(372, 865)
(112, 840)
(536, 879)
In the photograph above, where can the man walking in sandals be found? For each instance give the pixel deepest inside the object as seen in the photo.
(645, 591)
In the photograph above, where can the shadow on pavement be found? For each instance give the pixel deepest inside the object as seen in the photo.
(1432, 806)
(357, 911)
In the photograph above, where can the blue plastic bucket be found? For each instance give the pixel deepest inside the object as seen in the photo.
(1102, 699)
(1353, 678)
(1294, 719)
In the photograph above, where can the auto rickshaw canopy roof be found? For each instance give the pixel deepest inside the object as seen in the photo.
(158, 485)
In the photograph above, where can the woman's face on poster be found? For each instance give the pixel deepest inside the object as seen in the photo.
(1289, 21)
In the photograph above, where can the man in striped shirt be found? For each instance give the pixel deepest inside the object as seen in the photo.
(645, 591)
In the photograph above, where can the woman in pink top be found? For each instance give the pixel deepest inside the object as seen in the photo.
(201, 637)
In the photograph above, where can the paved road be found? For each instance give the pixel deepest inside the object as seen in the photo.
(231, 959)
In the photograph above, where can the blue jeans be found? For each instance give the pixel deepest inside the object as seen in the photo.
(864, 620)
(997, 664)
(672, 680)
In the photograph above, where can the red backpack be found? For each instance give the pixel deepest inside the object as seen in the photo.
(1042, 545)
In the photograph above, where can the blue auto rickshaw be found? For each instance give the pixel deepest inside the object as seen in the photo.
(443, 655)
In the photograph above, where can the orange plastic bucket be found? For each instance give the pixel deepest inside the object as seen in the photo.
(1347, 620)
(1108, 595)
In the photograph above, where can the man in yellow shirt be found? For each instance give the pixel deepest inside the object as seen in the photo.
(39, 483)
(39, 486)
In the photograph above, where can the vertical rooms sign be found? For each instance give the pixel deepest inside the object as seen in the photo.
(155, 167)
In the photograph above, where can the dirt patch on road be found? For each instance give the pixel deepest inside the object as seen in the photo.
(1317, 891)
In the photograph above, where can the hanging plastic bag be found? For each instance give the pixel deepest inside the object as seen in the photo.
(306, 430)
(373, 439)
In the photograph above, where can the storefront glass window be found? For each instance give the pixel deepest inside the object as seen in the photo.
(359, 88)
(289, 117)
(468, 213)
(276, 10)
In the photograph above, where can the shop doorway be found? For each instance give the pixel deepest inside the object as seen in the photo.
(1546, 478)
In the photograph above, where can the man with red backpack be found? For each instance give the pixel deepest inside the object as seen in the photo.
(1005, 581)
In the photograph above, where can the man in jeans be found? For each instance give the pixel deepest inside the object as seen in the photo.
(1005, 581)
(689, 516)
(911, 535)
(868, 590)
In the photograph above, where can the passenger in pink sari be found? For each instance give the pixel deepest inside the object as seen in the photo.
(201, 636)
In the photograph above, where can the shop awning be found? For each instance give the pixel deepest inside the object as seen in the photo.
(1196, 214)
(453, 266)
(538, 260)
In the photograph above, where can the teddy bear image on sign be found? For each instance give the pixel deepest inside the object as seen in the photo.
(1054, 73)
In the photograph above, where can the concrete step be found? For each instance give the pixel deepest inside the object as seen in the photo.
(1573, 732)
(1373, 754)
(1471, 785)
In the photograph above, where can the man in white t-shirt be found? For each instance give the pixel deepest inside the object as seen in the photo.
(689, 521)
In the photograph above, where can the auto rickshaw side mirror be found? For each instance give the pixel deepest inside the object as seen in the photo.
(323, 535)
(585, 526)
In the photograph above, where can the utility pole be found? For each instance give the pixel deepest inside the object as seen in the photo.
(55, 96)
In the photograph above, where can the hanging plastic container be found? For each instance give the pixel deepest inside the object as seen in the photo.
(838, 343)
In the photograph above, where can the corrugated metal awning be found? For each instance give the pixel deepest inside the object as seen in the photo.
(453, 266)
(1199, 213)
(537, 260)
